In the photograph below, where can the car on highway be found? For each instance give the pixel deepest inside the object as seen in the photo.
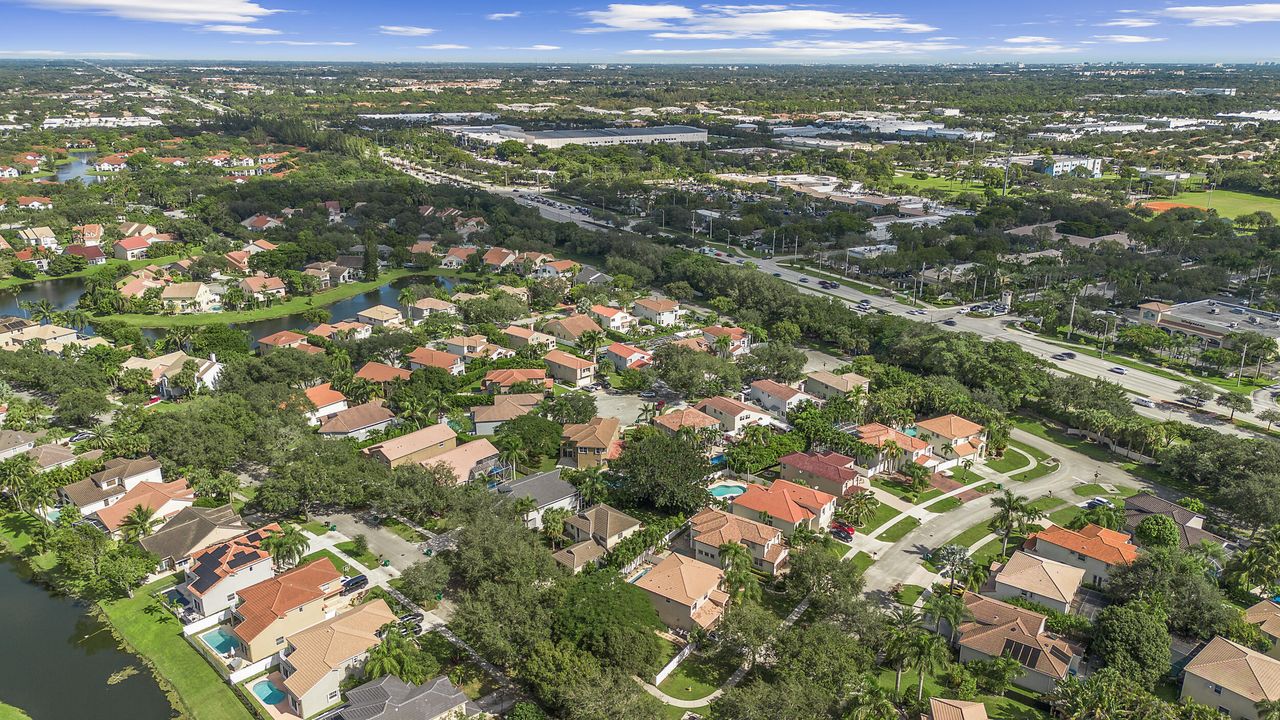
(804, 279)
(777, 274)
(1119, 370)
(841, 535)
(1069, 355)
(1144, 402)
(1059, 357)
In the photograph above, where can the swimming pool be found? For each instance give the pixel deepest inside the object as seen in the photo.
(728, 491)
(221, 640)
(268, 693)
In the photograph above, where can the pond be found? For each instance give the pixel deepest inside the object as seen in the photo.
(78, 169)
(57, 659)
(62, 293)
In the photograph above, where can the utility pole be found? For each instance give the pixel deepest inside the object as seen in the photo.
(1071, 322)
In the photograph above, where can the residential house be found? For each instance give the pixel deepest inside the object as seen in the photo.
(13, 442)
(591, 276)
(129, 229)
(824, 385)
(51, 456)
(1266, 615)
(948, 709)
(488, 418)
(1026, 576)
(456, 257)
(417, 446)
(276, 608)
(476, 347)
(695, 420)
(517, 292)
(685, 592)
(602, 525)
(131, 248)
(358, 422)
(555, 270)
(786, 506)
(733, 415)
(28, 255)
(998, 629)
(1190, 524)
(328, 273)
(953, 439)
(53, 337)
(893, 449)
(428, 306)
(1231, 678)
(578, 556)
(612, 318)
(518, 337)
(425, 357)
(497, 259)
(828, 471)
(281, 340)
(117, 477)
(326, 402)
(188, 297)
(34, 202)
(381, 373)
(163, 499)
(88, 234)
(320, 658)
(546, 491)
(570, 329)
(238, 260)
(215, 575)
(659, 311)
(569, 369)
(473, 462)
(92, 254)
(190, 531)
(1096, 550)
(111, 163)
(775, 397)
(627, 357)
(259, 246)
(422, 247)
(390, 698)
(497, 382)
(345, 329)
(166, 368)
(263, 287)
(736, 344)
(590, 444)
(261, 223)
(711, 528)
(39, 237)
(381, 316)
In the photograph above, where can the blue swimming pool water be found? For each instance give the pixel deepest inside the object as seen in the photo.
(726, 491)
(221, 639)
(268, 693)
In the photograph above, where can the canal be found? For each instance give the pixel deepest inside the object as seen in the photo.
(57, 660)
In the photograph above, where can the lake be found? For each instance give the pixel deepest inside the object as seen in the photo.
(56, 659)
(78, 169)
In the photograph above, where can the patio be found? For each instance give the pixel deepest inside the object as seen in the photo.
(267, 687)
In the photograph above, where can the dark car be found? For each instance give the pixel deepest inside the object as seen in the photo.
(354, 584)
(841, 535)
(412, 618)
(777, 274)
(648, 394)
(949, 322)
(837, 525)
(1069, 355)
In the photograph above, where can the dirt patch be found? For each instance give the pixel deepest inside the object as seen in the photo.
(1165, 206)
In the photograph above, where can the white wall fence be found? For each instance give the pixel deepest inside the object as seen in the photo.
(206, 622)
(675, 663)
(244, 673)
(1112, 446)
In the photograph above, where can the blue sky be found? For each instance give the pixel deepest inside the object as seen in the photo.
(667, 31)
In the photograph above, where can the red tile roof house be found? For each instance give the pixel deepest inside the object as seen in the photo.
(626, 357)
(733, 415)
(615, 319)
(887, 460)
(711, 528)
(518, 337)
(777, 398)
(132, 248)
(500, 382)
(425, 357)
(456, 257)
(786, 506)
(569, 369)
(326, 401)
(953, 439)
(695, 420)
(282, 339)
(1094, 549)
(829, 472)
(739, 339)
(260, 222)
(218, 573)
(35, 202)
(497, 259)
(377, 372)
(555, 269)
(238, 259)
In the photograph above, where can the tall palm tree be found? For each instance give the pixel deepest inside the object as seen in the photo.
(139, 523)
(407, 297)
(722, 345)
(288, 546)
(178, 338)
(590, 341)
(928, 651)
(1010, 513)
(75, 318)
(648, 412)
(873, 703)
(41, 311)
(949, 608)
(904, 621)
(591, 486)
(858, 509)
(736, 560)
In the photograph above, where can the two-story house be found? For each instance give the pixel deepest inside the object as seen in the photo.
(685, 592)
(188, 297)
(998, 629)
(1232, 679)
(711, 528)
(191, 530)
(569, 369)
(216, 575)
(612, 318)
(825, 385)
(546, 490)
(786, 506)
(381, 316)
(953, 439)
(424, 444)
(733, 415)
(590, 444)
(827, 471)
(320, 658)
(659, 311)
(627, 357)
(1096, 550)
(892, 450)
(117, 477)
(518, 336)
(775, 397)
(273, 609)
(425, 357)
(1023, 575)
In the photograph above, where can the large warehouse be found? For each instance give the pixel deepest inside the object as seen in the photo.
(493, 134)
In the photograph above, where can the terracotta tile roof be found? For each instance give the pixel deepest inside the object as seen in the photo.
(146, 494)
(951, 426)
(658, 305)
(1099, 543)
(877, 435)
(137, 242)
(381, 373)
(1244, 672)
(212, 564)
(1046, 578)
(947, 709)
(564, 359)
(844, 383)
(321, 649)
(575, 325)
(463, 459)
(356, 418)
(282, 338)
(600, 433)
(510, 376)
(681, 579)
(828, 465)
(410, 443)
(506, 407)
(1266, 615)
(716, 527)
(324, 395)
(428, 357)
(784, 500)
(728, 406)
(606, 311)
(999, 628)
(686, 417)
(776, 389)
(734, 333)
(269, 600)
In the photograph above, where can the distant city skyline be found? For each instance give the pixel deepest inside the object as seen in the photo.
(663, 32)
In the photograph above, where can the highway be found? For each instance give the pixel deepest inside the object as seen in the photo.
(162, 90)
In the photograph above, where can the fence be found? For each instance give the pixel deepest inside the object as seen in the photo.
(675, 663)
(1112, 446)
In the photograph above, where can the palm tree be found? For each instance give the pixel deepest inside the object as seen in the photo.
(858, 509)
(590, 341)
(553, 524)
(722, 345)
(139, 523)
(393, 656)
(178, 338)
(928, 651)
(102, 436)
(648, 412)
(873, 703)
(591, 486)
(947, 607)
(407, 297)
(736, 560)
(1268, 709)
(1010, 511)
(75, 318)
(967, 464)
(288, 546)
(41, 311)
(903, 622)
(512, 450)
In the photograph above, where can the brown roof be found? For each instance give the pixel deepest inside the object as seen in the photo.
(575, 325)
(382, 373)
(784, 500)
(356, 418)
(728, 406)
(580, 554)
(686, 417)
(716, 527)
(602, 521)
(428, 357)
(562, 358)
(324, 395)
(216, 562)
(844, 383)
(1099, 543)
(510, 376)
(1245, 672)
(321, 649)
(1266, 615)
(998, 628)
(506, 407)
(410, 443)
(947, 709)
(658, 304)
(598, 433)
(91, 489)
(271, 599)
(1046, 578)
(950, 426)
(150, 495)
(282, 338)
(681, 579)
(776, 389)
(463, 459)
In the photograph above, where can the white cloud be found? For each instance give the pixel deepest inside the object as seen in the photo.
(718, 22)
(66, 53)
(697, 36)
(1129, 23)
(621, 16)
(405, 30)
(298, 43)
(503, 15)
(443, 46)
(783, 20)
(174, 11)
(1049, 48)
(539, 47)
(1129, 39)
(1029, 39)
(811, 49)
(240, 30)
(1225, 15)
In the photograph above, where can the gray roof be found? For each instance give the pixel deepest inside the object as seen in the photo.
(10, 439)
(390, 698)
(188, 531)
(1141, 506)
(591, 276)
(545, 488)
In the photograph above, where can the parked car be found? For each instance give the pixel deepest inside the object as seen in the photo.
(648, 394)
(354, 584)
(841, 535)
(1099, 502)
(413, 617)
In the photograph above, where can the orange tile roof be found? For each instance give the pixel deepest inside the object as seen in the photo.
(1099, 543)
(686, 417)
(784, 500)
(434, 358)
(510, 376)
(716, 527)
(282, 338)
(560, 357)
(269, 600)
(146, 494)
(951, 426)
(576, 325)
(877, 435)
(323, 395)
(380, 373)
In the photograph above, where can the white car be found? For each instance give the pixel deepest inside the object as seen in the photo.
(1144, 402)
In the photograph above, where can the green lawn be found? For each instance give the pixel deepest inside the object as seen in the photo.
(862, 561)
(1064, 516)
(1080, 445)
(1031, 450)
(945, 505)
(16, 530)
(1095, 490)
(970, 536)
(697, 677)
(315, 527)
(338, 562)
(777, 603)
(881, 516)
(901, 491)
(986, 554)
(899, 530)
(1036, 472)
(150, 631)
(1012, 460)
(9, 712)
(909, 594)
(404, 531)
(1047, 503)
(1229, 203)
(366, 558)
(946, 185)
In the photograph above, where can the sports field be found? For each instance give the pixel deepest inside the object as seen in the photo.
(1227, 202)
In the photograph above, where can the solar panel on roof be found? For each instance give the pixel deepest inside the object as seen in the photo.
(1026, 655)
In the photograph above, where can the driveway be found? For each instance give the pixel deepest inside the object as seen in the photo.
(624, 407)
(382, 542)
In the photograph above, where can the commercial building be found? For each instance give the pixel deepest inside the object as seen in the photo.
(1059, 165)
(591, 137)
(1209, 321)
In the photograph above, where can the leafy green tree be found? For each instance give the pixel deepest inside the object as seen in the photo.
(422, 581)
(1158, 531)
(664, 472)
(139, 523)
(571, 407)
(611, 619)
(1235, 402)
(1132, 638)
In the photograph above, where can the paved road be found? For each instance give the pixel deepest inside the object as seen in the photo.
(382, 542)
